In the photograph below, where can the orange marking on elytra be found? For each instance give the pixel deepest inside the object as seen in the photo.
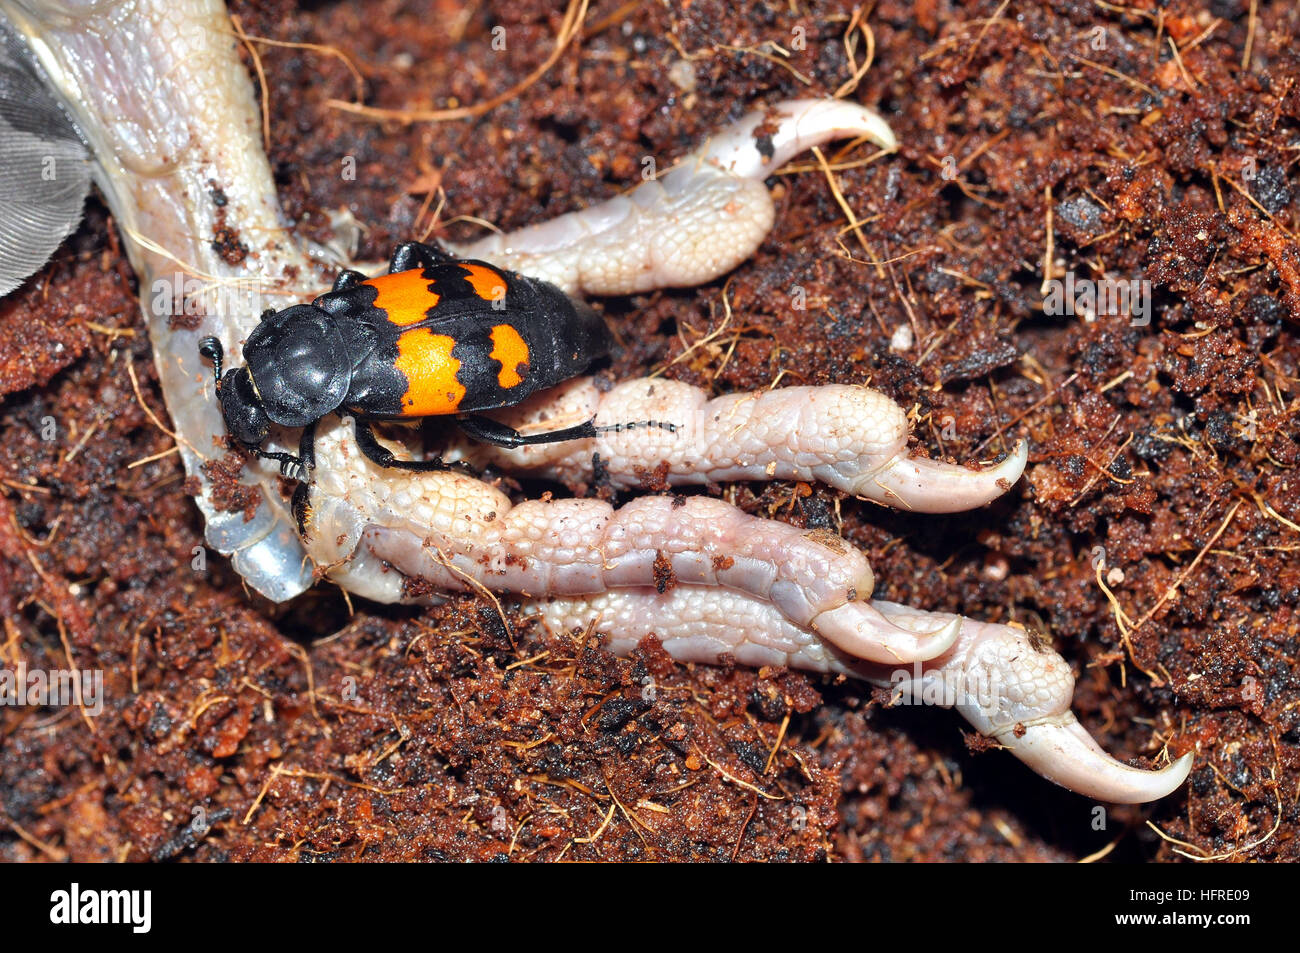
(405, 296)
(487, 284)
(512, 351)
(425, 358)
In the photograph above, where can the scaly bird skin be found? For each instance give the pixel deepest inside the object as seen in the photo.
(697, 221)
(851, 438)
(760, 591)
(161, 96)
(998, 677)
(452, 531)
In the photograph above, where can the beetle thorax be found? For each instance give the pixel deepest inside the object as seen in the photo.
(297, 362)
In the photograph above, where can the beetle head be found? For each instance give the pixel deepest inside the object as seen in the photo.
(246, 419)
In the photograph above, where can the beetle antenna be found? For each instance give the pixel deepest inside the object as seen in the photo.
(212, 350)
(635, 424)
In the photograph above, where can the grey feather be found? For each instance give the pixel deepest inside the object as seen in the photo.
(45, 168)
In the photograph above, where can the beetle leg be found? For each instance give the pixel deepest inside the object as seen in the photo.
(487, 430)
(433, 254)
(307, 447)
(295, 467)
(347, 278)
(409, 255)
(291, 466)
(403, 258)
(381, 455)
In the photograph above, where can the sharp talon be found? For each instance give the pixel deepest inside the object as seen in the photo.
(932, 486)
(1062, 751)
(798, 125)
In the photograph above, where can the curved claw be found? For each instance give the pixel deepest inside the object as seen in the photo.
(1018, 692)
(862, 631)
(796, 126)
(932, 486)
(1061, 750)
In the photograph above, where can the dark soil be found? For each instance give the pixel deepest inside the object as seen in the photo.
(1163, 460)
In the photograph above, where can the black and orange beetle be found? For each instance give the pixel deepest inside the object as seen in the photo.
(435, 336)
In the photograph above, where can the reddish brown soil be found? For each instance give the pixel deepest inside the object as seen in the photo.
(303, 732)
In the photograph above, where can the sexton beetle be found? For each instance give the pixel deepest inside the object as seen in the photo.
(435, 336)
